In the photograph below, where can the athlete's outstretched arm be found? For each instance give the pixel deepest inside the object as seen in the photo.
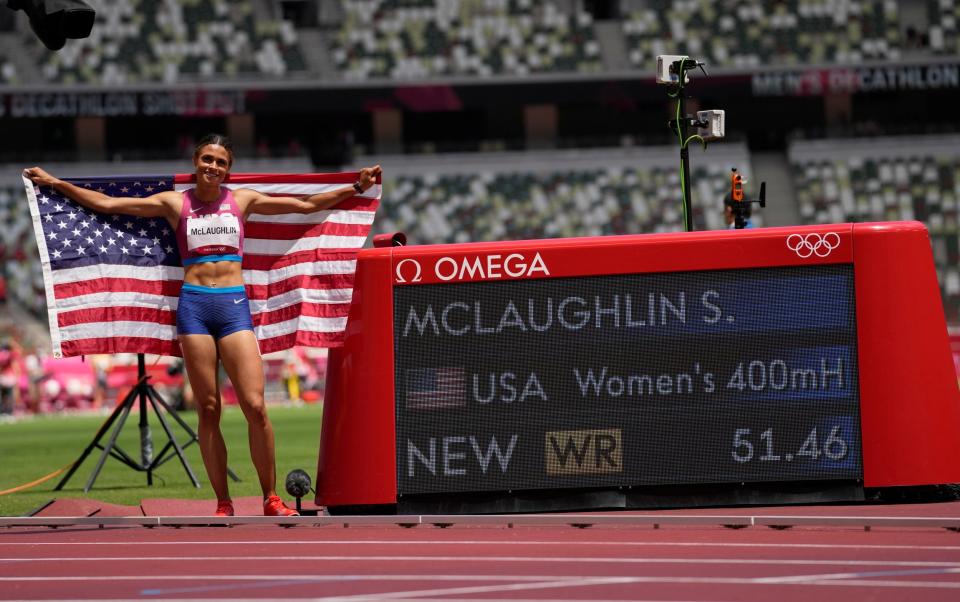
(274, 205)
(163, 204)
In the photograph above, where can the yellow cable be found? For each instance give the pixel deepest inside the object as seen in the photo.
(60, 470)
(38, 481)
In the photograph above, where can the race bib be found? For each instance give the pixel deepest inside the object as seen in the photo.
(213, 234)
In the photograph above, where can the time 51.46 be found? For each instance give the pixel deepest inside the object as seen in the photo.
(748, 447)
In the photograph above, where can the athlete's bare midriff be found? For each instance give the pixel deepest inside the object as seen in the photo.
(217, 274)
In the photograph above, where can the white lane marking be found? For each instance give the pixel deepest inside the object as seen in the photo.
(884, 583)
(373, 598)
(802, 578)
(485, 589)
(396, 595)
(517, 559)
(427, 542)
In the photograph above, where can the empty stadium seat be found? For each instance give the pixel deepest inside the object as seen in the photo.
(943, 16)
(888, 179)
(748, 34)
(411, 40)
(8, 72)
(143, 41)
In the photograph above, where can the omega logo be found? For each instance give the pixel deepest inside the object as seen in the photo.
(417, 270)
(477, 267)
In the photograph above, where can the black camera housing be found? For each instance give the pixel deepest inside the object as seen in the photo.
(54, 21)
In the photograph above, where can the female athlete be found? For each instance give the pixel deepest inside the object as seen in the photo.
(213, 314)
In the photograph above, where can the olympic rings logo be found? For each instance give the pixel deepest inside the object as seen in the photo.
(805, 245)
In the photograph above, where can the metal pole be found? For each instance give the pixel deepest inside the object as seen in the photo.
(146, 442)
(685, 160)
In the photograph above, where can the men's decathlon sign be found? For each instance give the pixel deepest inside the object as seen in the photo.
(469, 268)
(887, 78)
(192, 103)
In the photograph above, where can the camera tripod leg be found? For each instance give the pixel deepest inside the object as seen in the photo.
(121, 408)
(151, 395)
(155, 396)
(127, 405)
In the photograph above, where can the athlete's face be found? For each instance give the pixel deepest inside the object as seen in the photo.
(212, 162)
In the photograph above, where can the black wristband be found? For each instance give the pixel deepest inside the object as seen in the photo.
(358, 187)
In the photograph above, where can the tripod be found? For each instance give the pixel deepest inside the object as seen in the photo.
(145, 392)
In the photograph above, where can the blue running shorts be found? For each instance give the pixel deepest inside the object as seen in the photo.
(214, 311)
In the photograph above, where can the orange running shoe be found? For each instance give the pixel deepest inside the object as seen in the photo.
(274, 506)
(224, 508)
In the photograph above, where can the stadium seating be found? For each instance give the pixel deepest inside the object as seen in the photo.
(19, 256)
(943, 16)
(482, 203)
(753, 33)
(145, 41)
(410, 40)
(915, 178)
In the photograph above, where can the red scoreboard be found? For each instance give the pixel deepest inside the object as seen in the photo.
(754, 366)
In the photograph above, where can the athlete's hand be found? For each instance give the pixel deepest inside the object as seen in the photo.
(368, 176)
(39, 176)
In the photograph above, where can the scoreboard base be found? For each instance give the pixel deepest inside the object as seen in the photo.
(636, 498)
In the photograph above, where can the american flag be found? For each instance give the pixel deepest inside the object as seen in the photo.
(432, 388)
(112, 281)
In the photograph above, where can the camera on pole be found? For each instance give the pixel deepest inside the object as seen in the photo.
(54, 21)
(674, 70)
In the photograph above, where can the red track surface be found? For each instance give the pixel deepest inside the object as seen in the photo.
(480, 563)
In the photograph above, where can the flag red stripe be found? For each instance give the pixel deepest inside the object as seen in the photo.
(354, 203)
(269, 262)
(119, 345)
(302, 337)
(274, 231)
(116, 313)
(313, 310)
(262, 292)
(167, 288)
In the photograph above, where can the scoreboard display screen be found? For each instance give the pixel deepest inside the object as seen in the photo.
(627, 380)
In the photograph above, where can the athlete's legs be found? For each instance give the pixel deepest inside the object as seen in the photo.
(200, 360)
(241, 359)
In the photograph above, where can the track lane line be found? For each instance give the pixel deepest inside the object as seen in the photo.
(626, 580)
(512, 559)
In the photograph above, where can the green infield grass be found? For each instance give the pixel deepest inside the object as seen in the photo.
(33, 447)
